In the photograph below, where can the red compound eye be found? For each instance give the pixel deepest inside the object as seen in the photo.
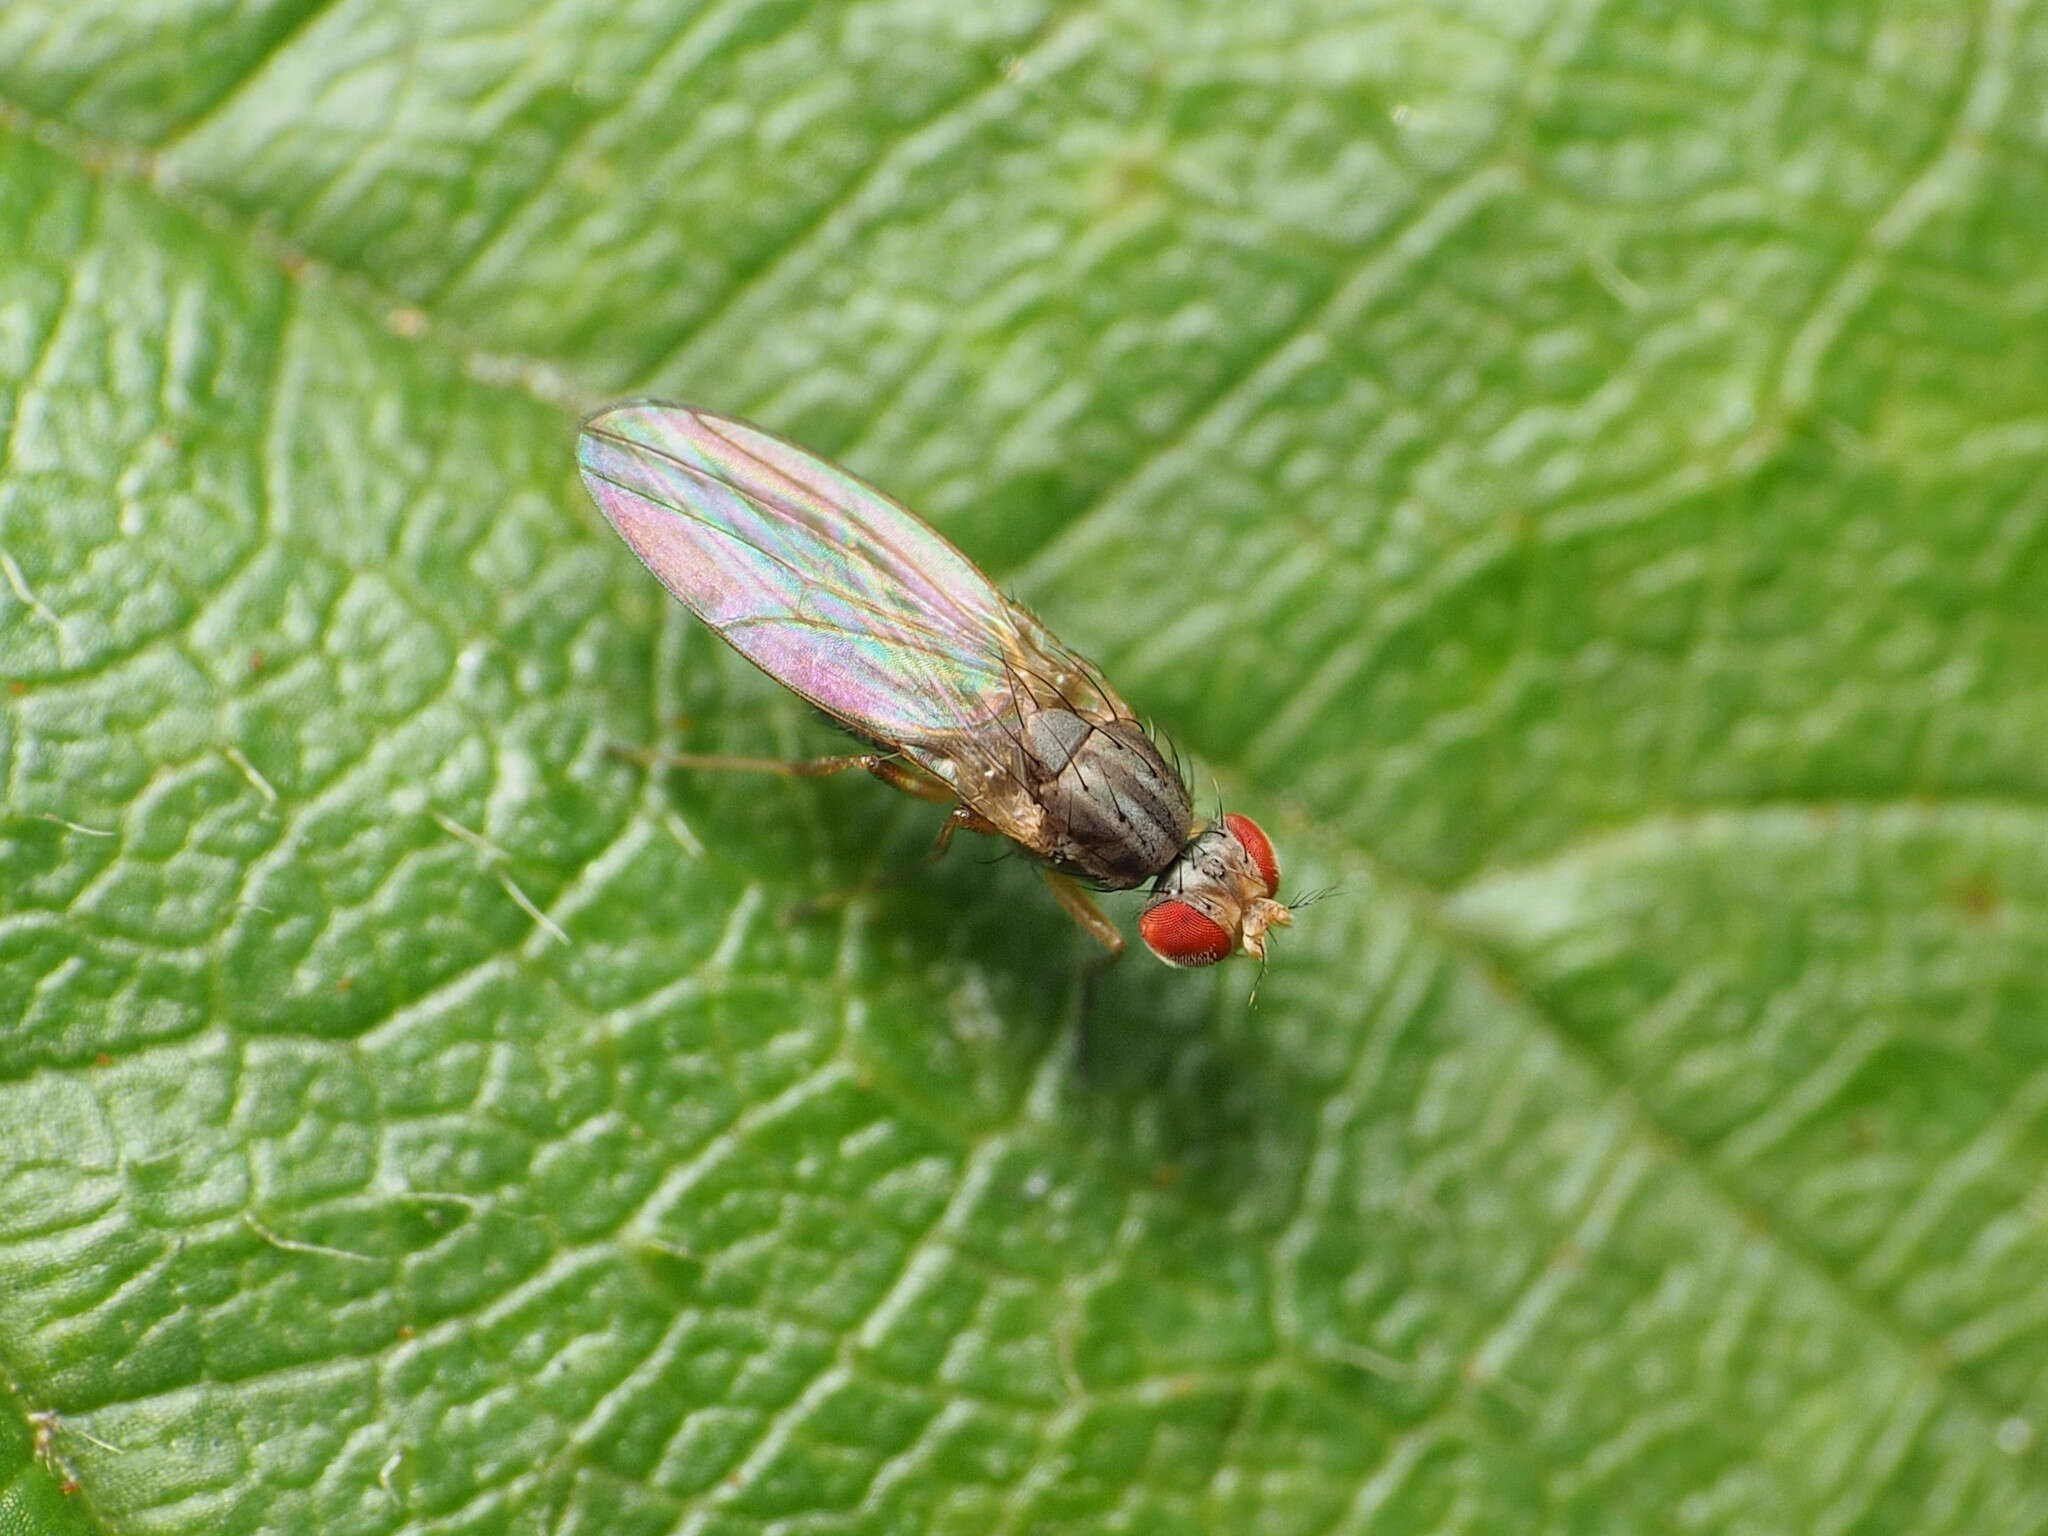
(1180, 935)
(1247, 832)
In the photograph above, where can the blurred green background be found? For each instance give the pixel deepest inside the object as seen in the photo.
(1577, 473)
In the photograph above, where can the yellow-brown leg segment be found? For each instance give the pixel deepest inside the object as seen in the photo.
(913, 780)
(963, 819)
(1075, 901)
(893, 771)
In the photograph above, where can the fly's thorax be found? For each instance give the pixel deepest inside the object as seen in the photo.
(1114, 811)
(1217, 897)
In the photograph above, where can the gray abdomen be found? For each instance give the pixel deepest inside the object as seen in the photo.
(1116, 813)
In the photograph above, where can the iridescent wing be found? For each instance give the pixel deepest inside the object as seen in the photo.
(840, 594)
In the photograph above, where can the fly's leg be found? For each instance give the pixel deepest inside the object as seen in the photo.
(913, 780)
(962, 819)
(1075, 901)
(1080, 906)
(893, 771)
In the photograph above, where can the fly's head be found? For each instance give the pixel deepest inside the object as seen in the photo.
(1216, 898)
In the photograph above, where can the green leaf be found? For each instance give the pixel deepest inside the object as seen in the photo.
(1578, 474)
